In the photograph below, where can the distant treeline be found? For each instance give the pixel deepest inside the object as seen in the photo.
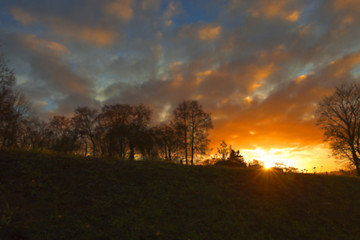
(117, 131)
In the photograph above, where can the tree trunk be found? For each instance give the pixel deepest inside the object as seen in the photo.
(169, 154)
(86, 149)
(186, 153)
(93, 146)
(356, 162)
(357, 170)
(132, 152)
(192, 142)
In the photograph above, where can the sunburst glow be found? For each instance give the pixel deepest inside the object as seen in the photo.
(269, 157)
(269, 163)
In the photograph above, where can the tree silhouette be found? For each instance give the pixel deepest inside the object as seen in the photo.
(13, 107)
(62, 135)
(223, 150)
(192, 125)
(229, 156)
(339, 117)
(85, 121)
(167, 141)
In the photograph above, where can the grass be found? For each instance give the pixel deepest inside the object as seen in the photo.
(49, 196)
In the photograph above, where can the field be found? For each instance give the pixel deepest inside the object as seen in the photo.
(50, 196)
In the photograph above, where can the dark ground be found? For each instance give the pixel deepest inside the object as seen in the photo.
(49, 196)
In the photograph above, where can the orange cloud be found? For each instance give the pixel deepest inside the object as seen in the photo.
(200, 76)
(341, 67)
(95, 36)
(44, 46)
(300, 78)
(347, 4)
(92, 35)
(275, 9)
(178, 81)
(121, 9)
(209, 32)
(256, 75)
(293, 17)
(22, 16)
(98, 36)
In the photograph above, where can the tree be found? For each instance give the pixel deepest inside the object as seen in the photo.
(137, 128)
(192, 125)
(13, 106)
(223, 150)
(111, 129)
(237, 158)
(229, 157)
(121, 127)
(62, 135)
(256, 164)
(167, 141)
(34, 134)
(85, 121)
(339, 117)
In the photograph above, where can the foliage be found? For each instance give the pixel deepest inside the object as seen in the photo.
(229, 157)
(256, 164)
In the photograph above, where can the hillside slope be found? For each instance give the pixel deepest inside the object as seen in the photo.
(47, 196)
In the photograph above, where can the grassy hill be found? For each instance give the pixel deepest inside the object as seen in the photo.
(48, 196)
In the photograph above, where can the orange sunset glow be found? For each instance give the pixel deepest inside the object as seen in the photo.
(258, 67)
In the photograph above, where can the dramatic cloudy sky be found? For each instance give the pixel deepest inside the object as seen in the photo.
(258, 66)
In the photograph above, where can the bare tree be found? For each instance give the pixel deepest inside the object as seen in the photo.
(192, 125)
(112, 128)
(224, 150)
(121, 127)
(34, 133)
(13, 107)
(137, 128)
(63, 136)
(167, 141)
(339, 117)
(85, 121)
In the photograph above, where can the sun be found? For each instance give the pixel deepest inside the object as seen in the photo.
(268, 162)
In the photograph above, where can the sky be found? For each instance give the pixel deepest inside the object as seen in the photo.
(259, 67)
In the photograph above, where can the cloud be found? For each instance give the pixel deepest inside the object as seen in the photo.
(22, 16)
(94, 35)
(49, 78)
(91, 35)
(293, 16)
(347, 5)
(41, 45)
(121, 9)
(209, 32)
(172, 10)
(284, 9)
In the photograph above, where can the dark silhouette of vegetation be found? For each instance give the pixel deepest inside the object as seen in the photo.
(167, 140)
(256, 164)
(339, 117)
(229, 157)
(85, 121)
(192, 125)
(13, 107)
(281, 167)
